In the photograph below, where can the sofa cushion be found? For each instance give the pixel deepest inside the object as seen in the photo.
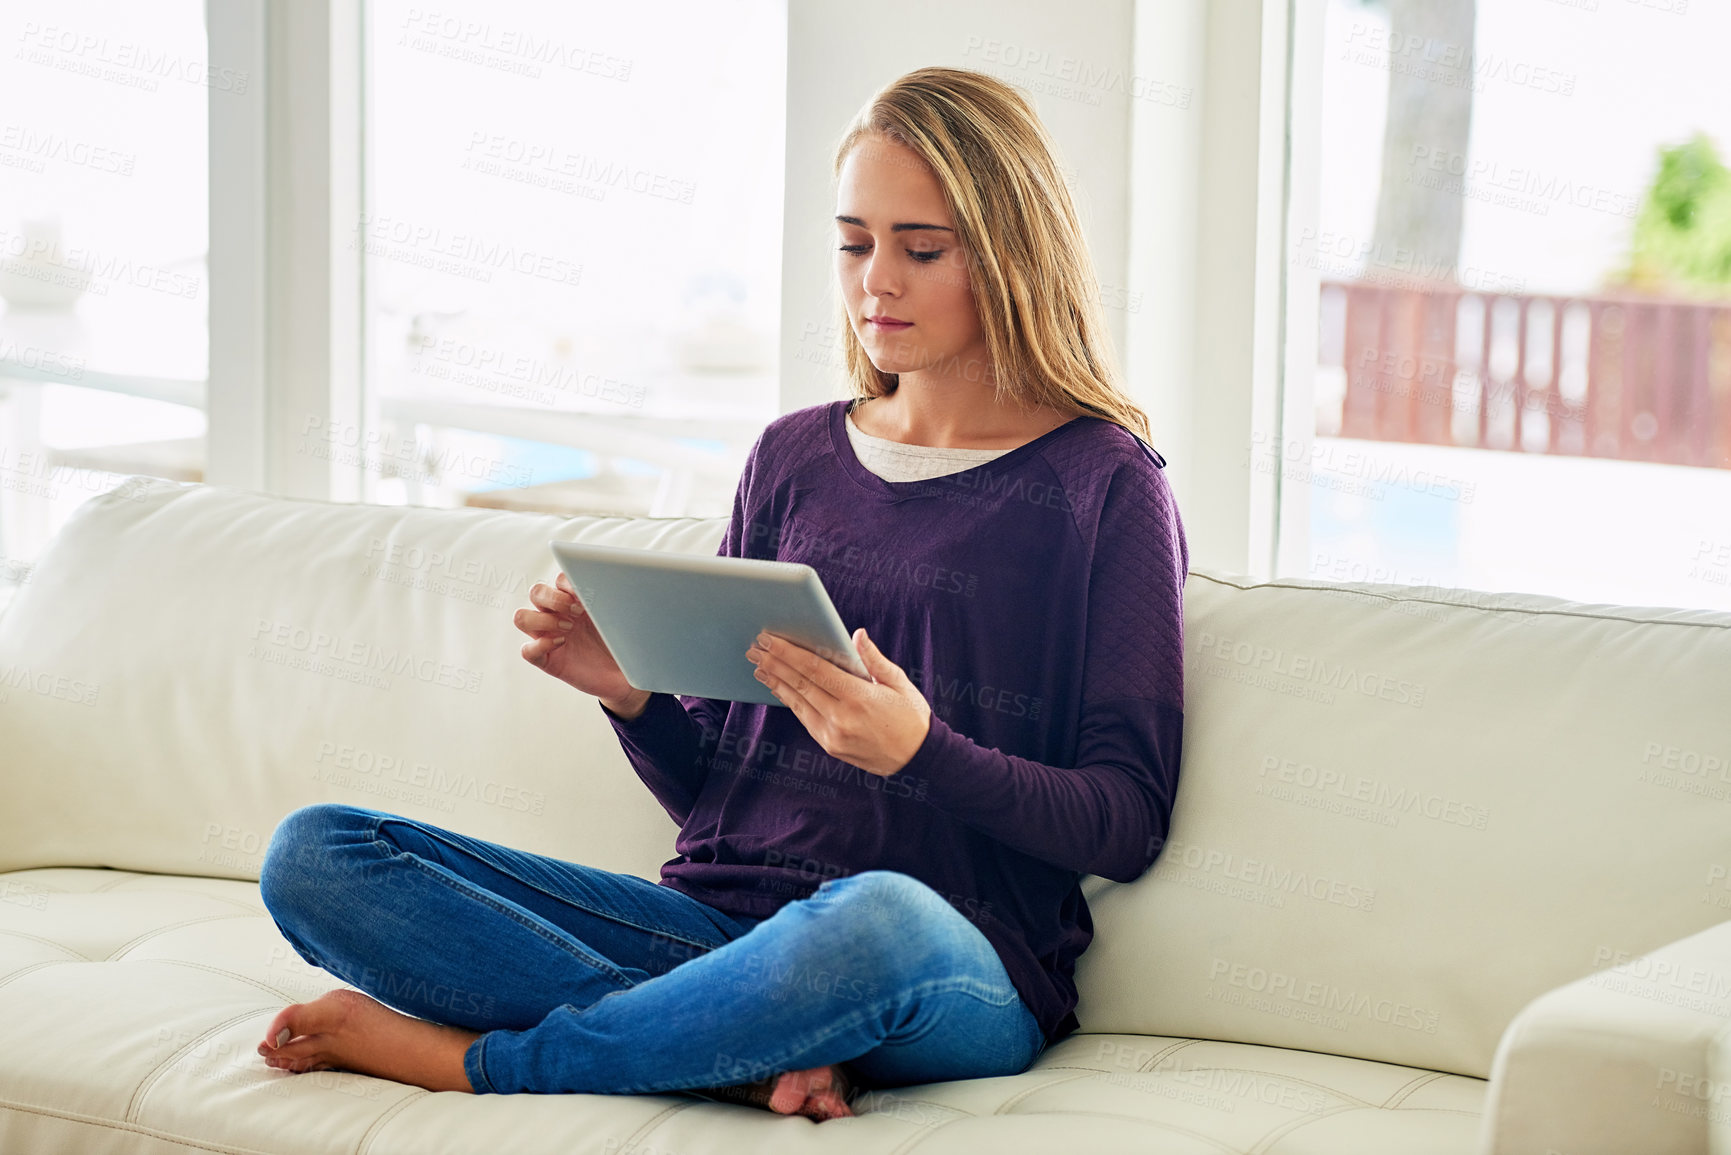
(133, 1003)
(189, 663)
(1405, 812)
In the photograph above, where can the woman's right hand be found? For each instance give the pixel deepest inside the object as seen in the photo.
(564, 642)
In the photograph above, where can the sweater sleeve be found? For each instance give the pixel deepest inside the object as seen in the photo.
(670, 744)
(1110, 813)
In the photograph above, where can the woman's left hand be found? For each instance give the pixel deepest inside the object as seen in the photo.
(877, 725)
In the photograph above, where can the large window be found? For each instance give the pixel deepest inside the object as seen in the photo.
(103, 165)
(573, 251)
(1520, 266)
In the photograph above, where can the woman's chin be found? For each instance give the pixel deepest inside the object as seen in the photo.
(889, 365)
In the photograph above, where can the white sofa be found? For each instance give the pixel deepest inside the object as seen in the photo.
(1449, 873)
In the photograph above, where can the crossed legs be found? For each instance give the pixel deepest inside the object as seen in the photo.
(524, 973)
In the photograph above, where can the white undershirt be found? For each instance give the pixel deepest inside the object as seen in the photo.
(897, 461)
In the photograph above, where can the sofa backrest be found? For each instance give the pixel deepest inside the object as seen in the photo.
(188, 663)
(1402, 814)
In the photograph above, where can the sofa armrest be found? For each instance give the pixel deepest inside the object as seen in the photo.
(1719, 1097)
(1619, 1061)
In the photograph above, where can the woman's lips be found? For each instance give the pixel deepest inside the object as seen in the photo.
(890, 326)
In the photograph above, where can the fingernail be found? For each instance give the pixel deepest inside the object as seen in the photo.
(566, 625)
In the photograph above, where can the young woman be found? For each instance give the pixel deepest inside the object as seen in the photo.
(877, 882)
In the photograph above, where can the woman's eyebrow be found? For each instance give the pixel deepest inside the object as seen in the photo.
(902, 228)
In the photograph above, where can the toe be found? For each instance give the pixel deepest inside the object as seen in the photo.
(305, 1053)
(300, 1037)
(284, 1021)
(323, 1016)
(789, 1093)
(828, 1105)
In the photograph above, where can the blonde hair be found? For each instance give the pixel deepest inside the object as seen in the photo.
(1034, 286)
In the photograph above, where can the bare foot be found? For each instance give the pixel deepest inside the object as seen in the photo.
(817, 1092)
(346, 1030)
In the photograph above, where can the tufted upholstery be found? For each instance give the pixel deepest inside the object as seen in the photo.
(174, 978)
(1403, 816)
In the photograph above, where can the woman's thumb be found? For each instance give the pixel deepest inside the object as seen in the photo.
(875, 662)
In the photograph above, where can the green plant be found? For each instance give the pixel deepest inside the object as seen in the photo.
(1682, 237)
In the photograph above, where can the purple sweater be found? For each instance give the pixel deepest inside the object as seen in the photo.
(1037, 601)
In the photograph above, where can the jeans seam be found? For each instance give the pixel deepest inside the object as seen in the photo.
(478, 1081)
(486, 898)
(966, 986)
(566, 899)
(928, 986)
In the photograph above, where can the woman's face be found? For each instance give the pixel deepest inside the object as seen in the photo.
(898, 257)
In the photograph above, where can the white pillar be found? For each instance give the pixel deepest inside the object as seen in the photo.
(286, 309)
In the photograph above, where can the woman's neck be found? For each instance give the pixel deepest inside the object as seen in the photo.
(942, 425)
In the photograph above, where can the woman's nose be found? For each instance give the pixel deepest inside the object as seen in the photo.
(880, 279)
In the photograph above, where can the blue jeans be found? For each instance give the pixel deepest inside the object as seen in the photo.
(583, 979)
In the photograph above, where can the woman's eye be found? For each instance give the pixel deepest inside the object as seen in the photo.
(925, 257)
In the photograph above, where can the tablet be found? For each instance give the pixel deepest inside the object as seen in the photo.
(681, 623)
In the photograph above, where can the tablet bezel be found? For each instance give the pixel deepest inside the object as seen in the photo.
(653, 606)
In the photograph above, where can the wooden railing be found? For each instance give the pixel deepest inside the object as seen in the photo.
(1627, 377)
